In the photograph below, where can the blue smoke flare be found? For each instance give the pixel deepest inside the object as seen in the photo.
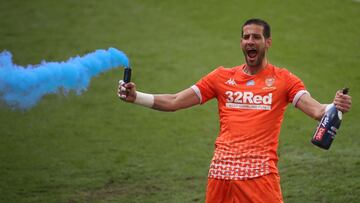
(22, 87)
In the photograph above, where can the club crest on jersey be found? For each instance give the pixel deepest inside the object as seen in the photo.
(231, 81)
(250, 83)
(269, 82)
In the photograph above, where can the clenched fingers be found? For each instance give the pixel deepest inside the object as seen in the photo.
(342, 101)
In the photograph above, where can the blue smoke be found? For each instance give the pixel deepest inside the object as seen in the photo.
(22, 87)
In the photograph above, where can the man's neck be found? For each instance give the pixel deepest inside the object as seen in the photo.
(252, 70)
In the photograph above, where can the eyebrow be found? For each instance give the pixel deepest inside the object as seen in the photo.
(251, 34)
(255, 34)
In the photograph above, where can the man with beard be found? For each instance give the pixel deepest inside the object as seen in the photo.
(252, 99)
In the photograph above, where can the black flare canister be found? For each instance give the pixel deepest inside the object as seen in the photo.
(127, 75)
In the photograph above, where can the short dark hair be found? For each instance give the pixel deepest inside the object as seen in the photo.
(257, 21)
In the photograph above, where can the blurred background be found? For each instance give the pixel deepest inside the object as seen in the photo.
(94, 148)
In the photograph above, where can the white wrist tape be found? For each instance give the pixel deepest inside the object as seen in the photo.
(144, 99)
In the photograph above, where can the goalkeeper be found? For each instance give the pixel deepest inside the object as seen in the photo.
(252, 99)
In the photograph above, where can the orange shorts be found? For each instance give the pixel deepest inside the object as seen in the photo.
(264, 189)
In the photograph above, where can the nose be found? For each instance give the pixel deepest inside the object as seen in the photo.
(251, 40)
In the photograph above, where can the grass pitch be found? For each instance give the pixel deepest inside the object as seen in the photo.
(94, 148)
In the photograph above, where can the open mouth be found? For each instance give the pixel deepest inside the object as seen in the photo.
(252, 53)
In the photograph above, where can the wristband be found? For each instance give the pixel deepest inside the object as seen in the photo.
(144, 99)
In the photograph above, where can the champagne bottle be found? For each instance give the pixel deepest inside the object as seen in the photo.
(326, 131)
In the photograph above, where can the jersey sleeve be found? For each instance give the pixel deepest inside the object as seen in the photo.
(205, 87)
(295, 88)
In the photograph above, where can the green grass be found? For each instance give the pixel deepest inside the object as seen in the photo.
(94, 148)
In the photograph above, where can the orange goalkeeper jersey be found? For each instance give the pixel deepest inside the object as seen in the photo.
(251, 110)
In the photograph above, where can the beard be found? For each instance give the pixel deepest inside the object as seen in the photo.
(254, 62)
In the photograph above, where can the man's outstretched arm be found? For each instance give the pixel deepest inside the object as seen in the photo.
(314, 109)
(162, 102)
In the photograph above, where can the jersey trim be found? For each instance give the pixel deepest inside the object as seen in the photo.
(298, 95)
(197, 91)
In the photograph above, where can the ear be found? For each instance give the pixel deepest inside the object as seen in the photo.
(268, 42)
(241, 40)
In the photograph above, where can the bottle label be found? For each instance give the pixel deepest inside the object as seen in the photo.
(320, 133)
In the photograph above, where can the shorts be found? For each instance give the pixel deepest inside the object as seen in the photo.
(264, 189)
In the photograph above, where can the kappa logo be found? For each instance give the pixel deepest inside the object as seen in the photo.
(231, 81)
